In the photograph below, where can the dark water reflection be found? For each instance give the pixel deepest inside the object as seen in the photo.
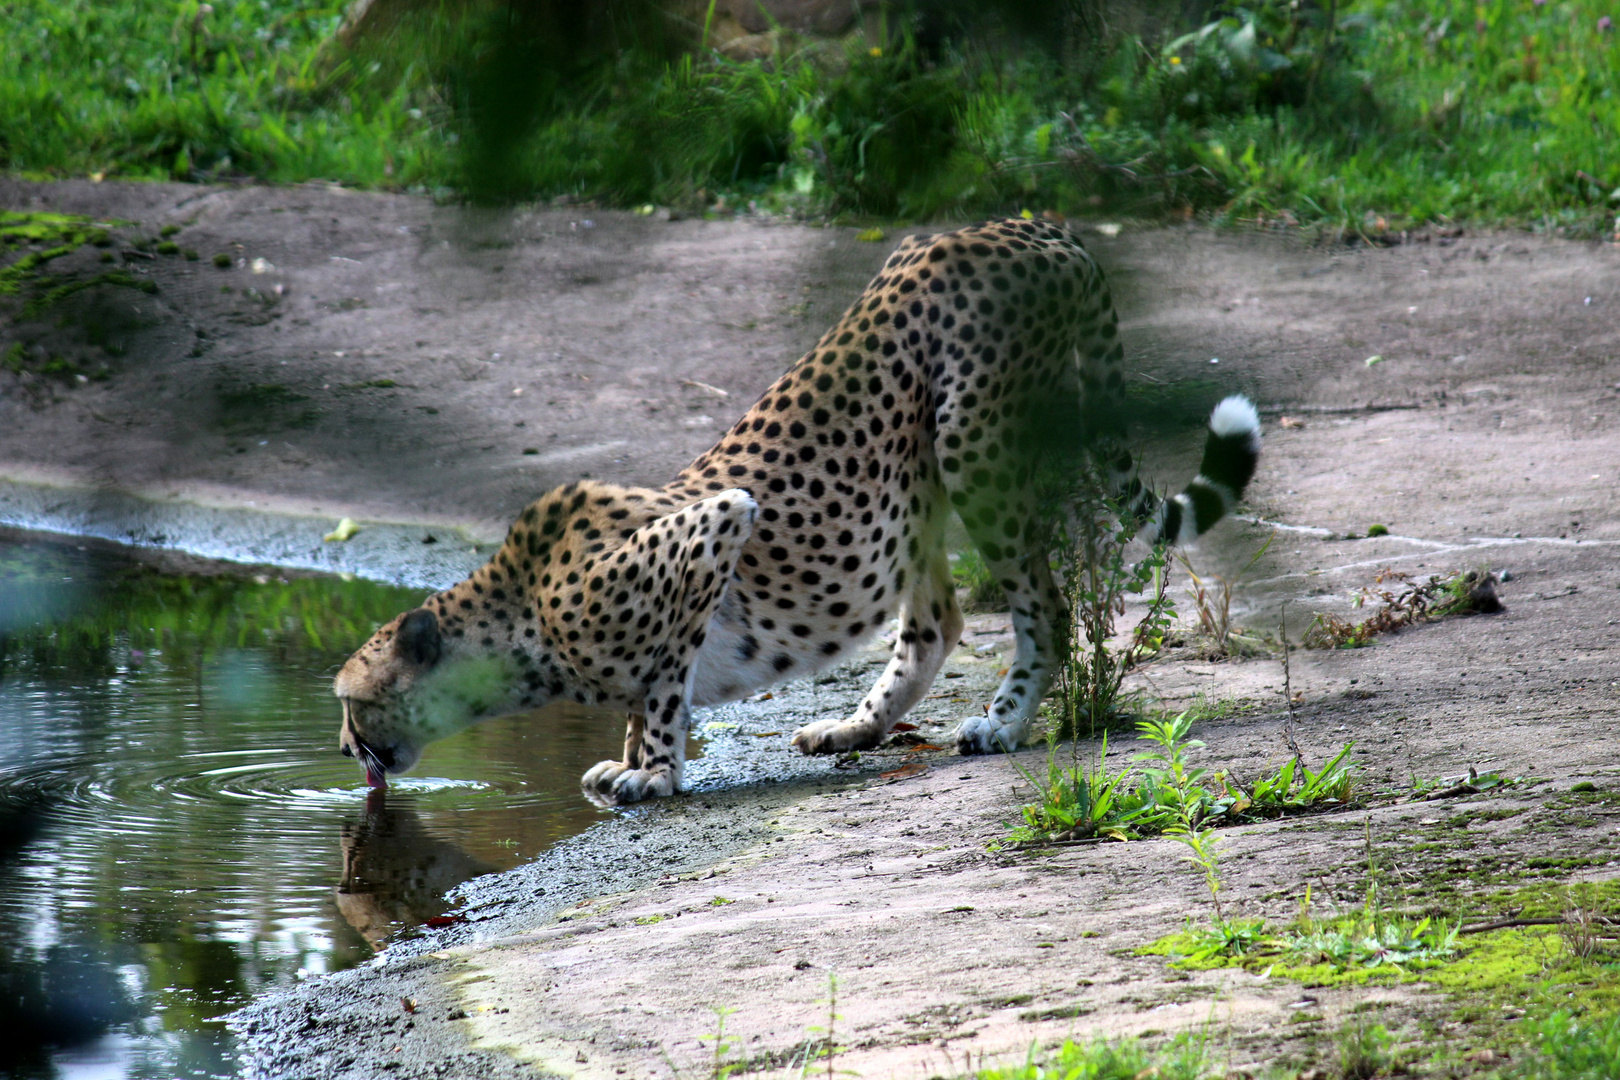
(177, 831)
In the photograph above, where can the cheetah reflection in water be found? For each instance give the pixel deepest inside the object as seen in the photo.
(815, 520)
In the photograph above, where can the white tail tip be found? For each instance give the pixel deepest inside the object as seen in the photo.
(1235, 415)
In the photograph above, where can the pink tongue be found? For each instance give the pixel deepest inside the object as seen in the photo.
(376, 778)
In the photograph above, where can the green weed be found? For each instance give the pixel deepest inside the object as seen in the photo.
(1096, 578)
(1296, 787)
(1187, 1058)
(1365, 1050)
(1163, 793)
(1365, 940)
(829, 1047)
(723, 1066)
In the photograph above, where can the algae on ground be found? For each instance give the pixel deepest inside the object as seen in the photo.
(1503, 985)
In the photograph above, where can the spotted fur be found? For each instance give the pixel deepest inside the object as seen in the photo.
(813, 522)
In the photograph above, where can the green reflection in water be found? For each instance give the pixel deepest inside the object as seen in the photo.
(179, 812)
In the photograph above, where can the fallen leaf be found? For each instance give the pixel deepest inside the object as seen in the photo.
(1371, 360)
(871, 236)
(906, 771)
(438, 922)
(710, 387)
(903, 726)
(345, 529)
(1292, 422)
(408, 1004)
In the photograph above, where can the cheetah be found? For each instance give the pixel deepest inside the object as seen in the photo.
(816, 519)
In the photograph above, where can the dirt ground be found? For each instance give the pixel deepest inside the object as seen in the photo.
(1482, 436)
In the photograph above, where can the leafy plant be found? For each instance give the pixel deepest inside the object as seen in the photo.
(1296, 786)
(722, 1067)
(829, 1040)
(1367, 938)
(1097, 576)
(1202, 854)
(1163, 793)
(1370, 937)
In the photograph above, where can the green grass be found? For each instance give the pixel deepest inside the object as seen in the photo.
(969, 571)
(1567, 1049)
(1186, 1059)
(1402, 112)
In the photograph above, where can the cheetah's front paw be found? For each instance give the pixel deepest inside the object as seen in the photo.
(834, 737)
(985, 735)
(613, 783)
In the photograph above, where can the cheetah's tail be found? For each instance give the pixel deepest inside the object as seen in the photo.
(1230, 453)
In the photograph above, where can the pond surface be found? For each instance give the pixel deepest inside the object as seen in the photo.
(177, 830)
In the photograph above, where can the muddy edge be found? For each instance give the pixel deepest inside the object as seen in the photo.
(1479, 437)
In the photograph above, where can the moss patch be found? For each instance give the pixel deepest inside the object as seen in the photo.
(1500, 974)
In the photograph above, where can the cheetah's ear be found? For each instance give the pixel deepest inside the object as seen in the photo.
(418, 638)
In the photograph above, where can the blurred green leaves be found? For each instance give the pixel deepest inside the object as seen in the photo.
(1365, 116)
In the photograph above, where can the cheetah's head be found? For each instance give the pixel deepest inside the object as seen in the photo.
(403, 689)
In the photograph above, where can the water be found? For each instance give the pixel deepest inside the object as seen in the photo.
(177, 830)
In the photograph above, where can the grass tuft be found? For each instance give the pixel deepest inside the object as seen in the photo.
(1186, 1058)
(1565, 1047)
